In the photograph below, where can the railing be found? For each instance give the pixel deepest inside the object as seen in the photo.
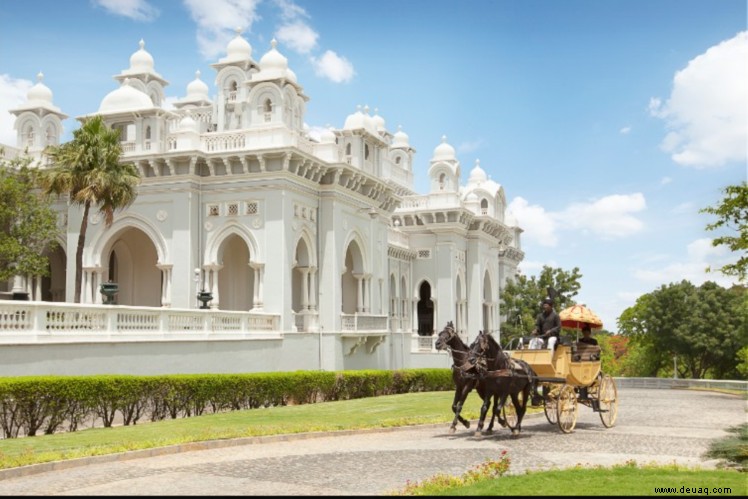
(423, 343)
(223, 142)
(306, 321)
(432, 201)
(363, 323)
(398, 238)
(33, 322)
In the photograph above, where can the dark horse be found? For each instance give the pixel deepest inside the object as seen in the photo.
(464, 374)
(504, 377)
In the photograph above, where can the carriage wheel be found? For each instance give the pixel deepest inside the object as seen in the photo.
(607, 396)
(509, 412)
(567, 409)
(550, 407)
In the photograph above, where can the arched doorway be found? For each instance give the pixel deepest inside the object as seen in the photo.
(487, 303)
(303, 292)
(425, 310)
(132, 263)
(235, 279)
(354, 293)
(53, 285)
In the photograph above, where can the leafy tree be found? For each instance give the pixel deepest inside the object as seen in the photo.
(29, 224)
(742, 367)
(522, 296)
(733, 214)
(89, 171)
(703, 326)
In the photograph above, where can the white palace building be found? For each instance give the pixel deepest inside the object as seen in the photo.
(316, 250)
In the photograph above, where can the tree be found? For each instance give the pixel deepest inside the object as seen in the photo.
(522, 296)
(89, 171)
(703, 326)
(28, 222)
(733, 214)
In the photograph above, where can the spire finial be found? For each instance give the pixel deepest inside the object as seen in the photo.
(477, 162)
(141, 43)
(197, 74)
(273, 42)
(358, 108)
(366, 109)
(39, 77)
(238, 30)
(444, 139)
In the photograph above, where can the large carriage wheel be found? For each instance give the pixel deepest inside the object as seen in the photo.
(550, 406)
(607, 396)
(509, 412)
(567, 409)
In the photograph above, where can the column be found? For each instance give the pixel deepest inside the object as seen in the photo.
(360, 292)
(166, 272)
(97, 280)
(304, 288)
(313, 289)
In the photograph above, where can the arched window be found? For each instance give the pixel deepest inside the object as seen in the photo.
(51, 136)
(484, 207)
(366, 151)
(442, 177)
(348, 149)
(29, 135)
(233, 86)
(268, 106)
(148, 133)
(397, 160)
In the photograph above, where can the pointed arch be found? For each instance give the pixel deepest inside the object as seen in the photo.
(102, 242)
(213, 244)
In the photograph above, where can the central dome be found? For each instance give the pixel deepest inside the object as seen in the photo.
(141, 61)
(444, 151)
(125, 98)
(238, 49)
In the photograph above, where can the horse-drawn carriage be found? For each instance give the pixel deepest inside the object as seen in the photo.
(567, 376)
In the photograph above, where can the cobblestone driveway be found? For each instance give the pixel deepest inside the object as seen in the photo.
(653, 425)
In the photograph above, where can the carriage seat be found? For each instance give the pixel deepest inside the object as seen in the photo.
(585, 352)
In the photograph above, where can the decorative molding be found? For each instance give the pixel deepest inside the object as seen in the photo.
(161, 215)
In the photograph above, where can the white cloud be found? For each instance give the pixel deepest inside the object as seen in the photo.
(333, 67)
(471, 146)
(298, 36)
(700, 254)
(666, 180)
(707, 111)
(139, 10)
(529, 267)
(12, 94)
(625, 130)
(609, 217)
(217, 21)
(538, 225)
(686, 207)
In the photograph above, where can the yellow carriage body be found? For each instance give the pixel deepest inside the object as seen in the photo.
(579, 366)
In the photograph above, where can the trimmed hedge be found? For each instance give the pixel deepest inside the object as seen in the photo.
(48, 404)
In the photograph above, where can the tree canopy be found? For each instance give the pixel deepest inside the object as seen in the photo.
(89, 171)
(704, 327)
(28, 222)
(732, 213)
(522, 296)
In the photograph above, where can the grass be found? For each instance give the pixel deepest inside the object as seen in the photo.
(630, 479)
(375, 412)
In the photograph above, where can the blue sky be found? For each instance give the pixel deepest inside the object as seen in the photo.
(608, 123)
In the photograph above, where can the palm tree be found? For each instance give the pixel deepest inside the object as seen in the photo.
(89, 171)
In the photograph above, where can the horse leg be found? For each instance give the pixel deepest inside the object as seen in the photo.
(483, 411)
(459, 400)
(498, 403)
(521, 407)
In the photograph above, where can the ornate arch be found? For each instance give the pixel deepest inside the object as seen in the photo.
(213, 244)
(155, 88)
(308, 239)
(227, 74)
(103, 241)
(355, 236)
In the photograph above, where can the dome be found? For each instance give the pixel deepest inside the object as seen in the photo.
(141, 61)
(39, 93)
(291, 75)
(197, 89)
(369, 123)
(400, 139)
(125, 98)
(444, 151)
(187, 124)
(327, 136)
(355, 121)
(477, 174)
(238, 48)
(378, 121)
(273, 60)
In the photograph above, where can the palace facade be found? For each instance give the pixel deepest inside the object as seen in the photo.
(321, 231)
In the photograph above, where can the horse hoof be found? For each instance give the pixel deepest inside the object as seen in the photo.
(452, 429)
(515, 433)
(488, 432)
(467, 424)
(478, 433)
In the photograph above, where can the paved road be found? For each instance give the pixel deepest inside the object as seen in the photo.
(653, 426)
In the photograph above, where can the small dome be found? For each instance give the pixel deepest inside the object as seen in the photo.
(187, 124)
(369, 123)
(141, 61)
(291, 75)
(477, 174)
(39, 93)
(238, 48)
(355, 121)
(444, 151)
(400, 139)
(327, 136)
(125, 98)
(273, 60)
(197, 89)
(378, 121)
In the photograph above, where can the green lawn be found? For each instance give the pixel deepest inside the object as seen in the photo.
(377, 412)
